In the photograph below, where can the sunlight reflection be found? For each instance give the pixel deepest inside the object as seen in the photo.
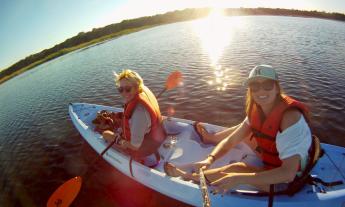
(215, 33)
(223, 78)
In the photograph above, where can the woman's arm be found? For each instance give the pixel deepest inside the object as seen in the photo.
(283, 174)
(240, 132)
(140, 125)
(260, 179)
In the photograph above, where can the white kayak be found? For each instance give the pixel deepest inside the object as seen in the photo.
(183, 146)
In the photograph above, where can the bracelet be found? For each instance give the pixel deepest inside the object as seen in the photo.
(212, 156)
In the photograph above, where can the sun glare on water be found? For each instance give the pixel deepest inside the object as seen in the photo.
(215, 33)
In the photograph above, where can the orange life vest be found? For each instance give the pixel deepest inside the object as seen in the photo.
(265, 132)
(156, 135)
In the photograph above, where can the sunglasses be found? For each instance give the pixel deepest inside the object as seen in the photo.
(126, 89)
(266, 85)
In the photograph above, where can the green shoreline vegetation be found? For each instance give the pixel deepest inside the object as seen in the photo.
(99, 35)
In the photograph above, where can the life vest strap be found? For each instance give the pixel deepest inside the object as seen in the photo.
(327, 184)
(140, 160)
(259, 134)
(263, 150)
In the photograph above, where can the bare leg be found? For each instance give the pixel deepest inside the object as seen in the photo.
(211, 174)
(210, 138)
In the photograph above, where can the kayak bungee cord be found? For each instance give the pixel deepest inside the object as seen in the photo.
(336, 167)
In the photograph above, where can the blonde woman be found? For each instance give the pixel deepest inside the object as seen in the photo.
(277, 123)
(142, 131)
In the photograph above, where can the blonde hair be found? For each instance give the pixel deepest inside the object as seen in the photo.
(250, 102)
(132, 77)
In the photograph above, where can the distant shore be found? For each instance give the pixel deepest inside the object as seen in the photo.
(6, 74)
(99, 35)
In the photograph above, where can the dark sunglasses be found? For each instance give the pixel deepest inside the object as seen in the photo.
(266, 85)
(126, 89)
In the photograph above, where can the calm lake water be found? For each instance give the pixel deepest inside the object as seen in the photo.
(40, 148)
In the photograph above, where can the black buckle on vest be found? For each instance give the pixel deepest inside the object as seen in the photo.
(259, 134)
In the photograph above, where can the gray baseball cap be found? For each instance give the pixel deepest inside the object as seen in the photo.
(263, 71)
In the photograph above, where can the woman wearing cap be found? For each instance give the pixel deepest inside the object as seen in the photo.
(142, 131)
(278, 125)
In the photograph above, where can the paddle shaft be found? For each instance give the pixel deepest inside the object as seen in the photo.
(108, 147)
(204, 191)
(159, 95)
(102, 153)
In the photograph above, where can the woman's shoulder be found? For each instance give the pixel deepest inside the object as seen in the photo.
(140, 110)
(290, 117)
(140, 107)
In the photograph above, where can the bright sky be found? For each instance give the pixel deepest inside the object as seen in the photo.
(29, 26)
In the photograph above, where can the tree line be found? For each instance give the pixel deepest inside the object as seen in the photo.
(169, 17)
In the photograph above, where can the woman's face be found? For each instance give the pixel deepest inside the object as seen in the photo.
(127, 89)
(264, 91)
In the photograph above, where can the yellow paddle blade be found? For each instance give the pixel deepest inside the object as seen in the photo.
(66, 193)
(174, 79)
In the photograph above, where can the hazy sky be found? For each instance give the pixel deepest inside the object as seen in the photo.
(29, 26)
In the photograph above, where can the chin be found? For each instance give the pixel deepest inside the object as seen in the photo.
(264, 102)
(128, 100)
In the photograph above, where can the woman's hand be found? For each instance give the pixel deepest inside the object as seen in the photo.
(204, 164)
(108, 135)
(229, 181)
(123, 144)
